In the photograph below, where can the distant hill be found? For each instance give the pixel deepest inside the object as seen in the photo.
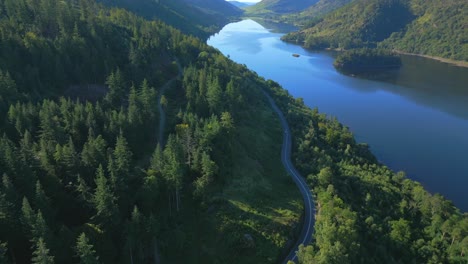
(323, 7)
(197, 17)
(240, 4)
(315, 13)
(428, 27)
(280, 6)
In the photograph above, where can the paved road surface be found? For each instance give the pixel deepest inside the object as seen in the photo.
(309, 209)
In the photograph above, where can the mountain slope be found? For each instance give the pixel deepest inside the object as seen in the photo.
(196, 17)
(440, 29)
(280, 6)
(323, 7)
(315, 13)
(240, 4)
(428, 27)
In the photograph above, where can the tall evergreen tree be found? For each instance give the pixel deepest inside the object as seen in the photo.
(41, 253)
(85, 250)
(42, 203)
(104, 201)
(120, 169)
(116, 85)
(28, 218)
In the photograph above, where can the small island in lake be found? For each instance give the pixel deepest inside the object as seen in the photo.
(362, 61)
(296, 55)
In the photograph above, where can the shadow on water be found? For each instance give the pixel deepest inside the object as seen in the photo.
(426, 82)
(275, 27)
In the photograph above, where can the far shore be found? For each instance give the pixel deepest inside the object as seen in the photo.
(444, 60)
(449, 61)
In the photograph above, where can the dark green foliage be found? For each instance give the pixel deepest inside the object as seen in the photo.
(3, 253)
(364, 60)
(105, 201)
(41, 253)
(85, 250)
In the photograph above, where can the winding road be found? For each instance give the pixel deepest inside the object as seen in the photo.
(309, 209)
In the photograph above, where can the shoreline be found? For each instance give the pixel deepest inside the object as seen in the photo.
(463, 64)
(457, 63)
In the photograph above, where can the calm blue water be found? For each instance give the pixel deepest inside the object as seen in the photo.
(415, 120)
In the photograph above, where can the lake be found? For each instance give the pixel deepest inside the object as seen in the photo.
(415, 119)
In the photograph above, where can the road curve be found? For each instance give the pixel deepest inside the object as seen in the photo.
(309, 209)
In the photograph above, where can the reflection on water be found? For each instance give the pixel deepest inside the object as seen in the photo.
(434, 84)
(415, 119)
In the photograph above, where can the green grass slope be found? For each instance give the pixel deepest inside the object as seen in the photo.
(431, 27)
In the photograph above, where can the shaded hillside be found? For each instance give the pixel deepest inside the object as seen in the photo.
(440, 29)
(280, 6)
(361, 23)
(197, 17)
(240, 4)
(316, 12)
(428, 27)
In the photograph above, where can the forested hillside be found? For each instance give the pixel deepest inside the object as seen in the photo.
(279, 6)
(323, 7)
(365, 212)
(84, 179)
(197, 17)
(435, 28)
(315, 13)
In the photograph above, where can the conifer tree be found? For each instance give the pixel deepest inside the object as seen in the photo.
(104, 200)
(42, 202)
(28, 215)
(120, 168)
(116, 84)
(41, 253)
(85, 250)
(93, 153)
